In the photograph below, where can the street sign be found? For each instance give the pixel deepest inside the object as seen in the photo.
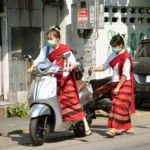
(82, 16)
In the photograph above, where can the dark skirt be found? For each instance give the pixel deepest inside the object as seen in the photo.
(119, 117)
(69, 101)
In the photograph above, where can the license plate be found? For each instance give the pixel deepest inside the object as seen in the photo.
(148, 79)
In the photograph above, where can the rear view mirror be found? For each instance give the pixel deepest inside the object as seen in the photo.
(29, 57)
(65, 55)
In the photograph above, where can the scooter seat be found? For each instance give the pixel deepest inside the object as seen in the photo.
(96, 83)
(80, 85)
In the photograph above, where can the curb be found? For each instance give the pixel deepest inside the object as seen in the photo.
(14, 132)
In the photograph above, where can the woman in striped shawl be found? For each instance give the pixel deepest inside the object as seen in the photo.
(122, 87)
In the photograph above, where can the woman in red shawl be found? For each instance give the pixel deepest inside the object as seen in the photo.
(67, 89)
(122, 87)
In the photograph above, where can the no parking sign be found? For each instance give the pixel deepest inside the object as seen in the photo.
(82, 16)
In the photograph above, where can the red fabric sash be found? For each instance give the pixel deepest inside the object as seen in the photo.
(120, 60)
(58, 52)
(59, 61)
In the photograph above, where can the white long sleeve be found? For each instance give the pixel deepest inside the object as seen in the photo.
(125, 70)
(42, 57)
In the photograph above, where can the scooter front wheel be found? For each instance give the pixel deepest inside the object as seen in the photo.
(37, 131)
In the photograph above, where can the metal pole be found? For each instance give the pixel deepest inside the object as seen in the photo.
(5, 54)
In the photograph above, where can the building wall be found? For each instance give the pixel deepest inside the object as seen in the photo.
(21, 14)
(128, 17)
(1, 71)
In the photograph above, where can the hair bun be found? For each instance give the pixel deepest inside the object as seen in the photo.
(54, 27)
(57, 27)
(123, 35)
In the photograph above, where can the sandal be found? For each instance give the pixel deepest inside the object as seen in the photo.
(88, 134)
(110, 134)
(126, 133)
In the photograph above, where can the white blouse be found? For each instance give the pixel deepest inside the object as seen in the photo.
(125, 71)
(42, 57)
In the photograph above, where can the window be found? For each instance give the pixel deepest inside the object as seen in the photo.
(114, 19)
(106, 9)
(132, 20)
(148, 20)
(124, 19)
(140, 20)
(123, 10)
(132, 10)
(141, 11)
(106, 19)
(144, 50)
(127, 15)
(148, 11)
(114, 10)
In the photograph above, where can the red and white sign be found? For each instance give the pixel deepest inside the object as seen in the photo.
(82, 15)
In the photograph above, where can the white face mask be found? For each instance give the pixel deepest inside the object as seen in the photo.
(115, 49)
(51, 43)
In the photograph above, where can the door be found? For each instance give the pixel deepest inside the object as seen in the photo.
(24, 40)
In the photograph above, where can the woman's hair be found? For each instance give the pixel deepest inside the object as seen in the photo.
(55, 29)
(117, 40)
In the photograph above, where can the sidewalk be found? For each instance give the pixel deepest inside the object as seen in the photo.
(13, 125)
(21, 125)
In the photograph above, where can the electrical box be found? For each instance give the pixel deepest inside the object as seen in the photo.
(86, 14)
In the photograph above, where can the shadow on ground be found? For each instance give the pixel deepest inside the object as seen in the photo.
(24, 138)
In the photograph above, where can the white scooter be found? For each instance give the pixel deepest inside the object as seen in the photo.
(45, 111)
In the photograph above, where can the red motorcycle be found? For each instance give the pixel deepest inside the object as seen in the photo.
(101, 90)
(102, 94)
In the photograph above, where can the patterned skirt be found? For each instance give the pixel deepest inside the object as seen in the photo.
(69, 101)
(119, 117)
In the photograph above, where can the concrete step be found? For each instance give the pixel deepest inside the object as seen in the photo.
(3, 107)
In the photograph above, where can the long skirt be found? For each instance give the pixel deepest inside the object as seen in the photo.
(119, 117)
(69, 101)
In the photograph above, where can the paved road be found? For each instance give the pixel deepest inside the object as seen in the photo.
(97, 141)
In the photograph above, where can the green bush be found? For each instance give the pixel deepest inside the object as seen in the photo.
(19, 110)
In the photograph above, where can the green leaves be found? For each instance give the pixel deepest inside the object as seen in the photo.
(19, 110)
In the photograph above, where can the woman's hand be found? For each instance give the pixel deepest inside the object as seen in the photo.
(29, 70)
(93, 69)
(116, 91)
(97, 69)
(67, 69)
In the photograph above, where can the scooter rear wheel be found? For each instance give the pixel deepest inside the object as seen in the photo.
(36, 130)
(79, 130)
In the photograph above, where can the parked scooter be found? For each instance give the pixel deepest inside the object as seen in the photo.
(45, 111)
(102, 94)
(79, 68)
(101, 88)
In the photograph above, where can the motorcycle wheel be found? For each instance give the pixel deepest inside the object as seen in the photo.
(138, 103)
(79, 130)
(36, 131)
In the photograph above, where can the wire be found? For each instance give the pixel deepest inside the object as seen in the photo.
(97, 34)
